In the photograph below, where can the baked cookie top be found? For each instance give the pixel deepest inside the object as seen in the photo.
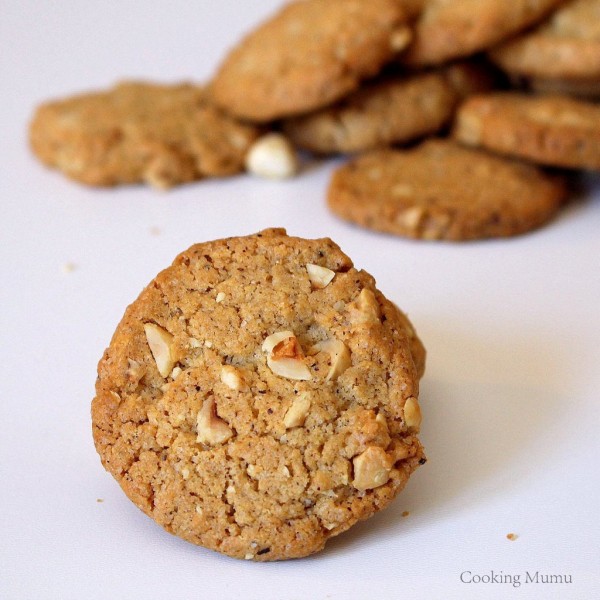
(442, 191)
(140, 132)
(260, 397)
(308, 55)
(550, 130)
(567, 45)
(393, 109)
(449, 29)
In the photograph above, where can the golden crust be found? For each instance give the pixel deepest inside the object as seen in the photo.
(550, 130)
(566, 46)
(442, 191)
(309, 55)
(448, 29)
(140, 132)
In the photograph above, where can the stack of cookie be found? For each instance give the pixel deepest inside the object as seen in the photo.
(354, 76)
(308, 69)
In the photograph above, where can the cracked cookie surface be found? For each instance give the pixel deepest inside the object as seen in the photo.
(442, 191)
(308, 55)
(140, 132)
(258, 407)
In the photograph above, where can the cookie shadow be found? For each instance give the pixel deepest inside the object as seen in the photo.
(488, 418)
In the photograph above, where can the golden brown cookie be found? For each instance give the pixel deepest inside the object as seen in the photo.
(442, 191)
(308, 55)
(566, 46)
(449, 29)
(394, 109)
(550, 130)
(160, 134)
(260, 397)
(569, 87)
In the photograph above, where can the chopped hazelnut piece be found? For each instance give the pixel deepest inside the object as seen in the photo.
(371, 468)
(412, 414)
(320, 277)
(365, 309)
(340, 357)
(160, 342)
(210, 428)
(285, 357)
(272, 156)
(233, 378)
(297, 412)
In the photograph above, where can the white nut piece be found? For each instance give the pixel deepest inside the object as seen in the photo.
(366, 308)
(412, 414)
(320, 277)
(210, 428)
(297, 412)
(272, 156)
(371, 468)
(160, 342)
(340, 357)
(233, 378)
(285, 357)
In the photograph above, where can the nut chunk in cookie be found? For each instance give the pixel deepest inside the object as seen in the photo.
(260, 396)
(308, 55)
(137, 132)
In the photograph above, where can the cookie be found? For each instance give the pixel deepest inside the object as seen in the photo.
(566, 46)
(392, 110)
(309, 55)
(569, 87)
(550, 130)
(260, 397)
(140, 132)
(450, 29)
(442, 191)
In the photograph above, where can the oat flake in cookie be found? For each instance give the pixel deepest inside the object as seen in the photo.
(260, 396)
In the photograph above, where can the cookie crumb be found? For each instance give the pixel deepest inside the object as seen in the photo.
(69, 267)
(155, 231)
(511, 536)
(99, 500)
(405, 513)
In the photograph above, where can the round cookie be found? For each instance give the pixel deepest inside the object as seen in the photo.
(450, 29)
(140, 132)
(395, 109)
(309, 55)
(566, 46)
(260, 397)
(551, 130)
(442, 191)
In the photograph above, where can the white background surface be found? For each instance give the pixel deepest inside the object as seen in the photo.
(510, 397)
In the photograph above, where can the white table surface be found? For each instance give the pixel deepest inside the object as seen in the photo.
(511, 395)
